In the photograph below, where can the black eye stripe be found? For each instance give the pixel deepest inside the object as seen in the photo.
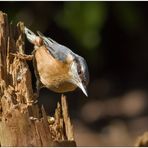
(83, 76)
(79, 68)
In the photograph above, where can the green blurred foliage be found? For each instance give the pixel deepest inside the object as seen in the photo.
(84, 20)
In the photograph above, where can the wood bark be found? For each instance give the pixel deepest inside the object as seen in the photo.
(22, 121)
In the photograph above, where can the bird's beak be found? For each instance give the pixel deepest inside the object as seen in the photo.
(83, 88)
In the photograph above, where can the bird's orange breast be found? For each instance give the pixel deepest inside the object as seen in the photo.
(52, 73)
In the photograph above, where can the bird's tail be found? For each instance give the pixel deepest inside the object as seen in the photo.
(30, 35)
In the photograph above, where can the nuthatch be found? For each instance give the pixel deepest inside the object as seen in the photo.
(56, 66)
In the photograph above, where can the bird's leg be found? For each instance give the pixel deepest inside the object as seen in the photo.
(38, 87)
(22, 56)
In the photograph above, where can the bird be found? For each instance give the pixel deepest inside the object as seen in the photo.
(56, 66)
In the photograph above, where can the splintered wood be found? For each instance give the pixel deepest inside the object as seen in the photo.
(62, 123)
(22, 122)
(142, 141)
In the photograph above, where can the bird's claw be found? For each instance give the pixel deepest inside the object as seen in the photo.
(22, 56)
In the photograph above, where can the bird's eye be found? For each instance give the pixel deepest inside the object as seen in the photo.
(78, 67)
(79, 71)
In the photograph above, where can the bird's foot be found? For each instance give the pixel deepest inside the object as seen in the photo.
(22, 56)
(36, 95)
(32, 102)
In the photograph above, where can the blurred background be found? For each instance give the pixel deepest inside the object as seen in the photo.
(113, 38)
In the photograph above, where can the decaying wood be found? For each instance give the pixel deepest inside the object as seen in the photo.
(22, 122)
(68, 125)
(142, 141)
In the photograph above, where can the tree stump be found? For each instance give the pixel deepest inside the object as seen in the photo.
(22, 121)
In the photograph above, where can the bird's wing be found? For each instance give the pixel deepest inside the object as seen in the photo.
(57, 50)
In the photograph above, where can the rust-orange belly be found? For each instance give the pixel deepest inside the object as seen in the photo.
(53, 74)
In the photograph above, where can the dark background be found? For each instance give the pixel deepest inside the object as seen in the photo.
(113, 38)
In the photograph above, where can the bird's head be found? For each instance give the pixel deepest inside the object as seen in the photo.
(79, 73)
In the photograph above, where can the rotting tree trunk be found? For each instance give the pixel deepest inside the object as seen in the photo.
(22, 122)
